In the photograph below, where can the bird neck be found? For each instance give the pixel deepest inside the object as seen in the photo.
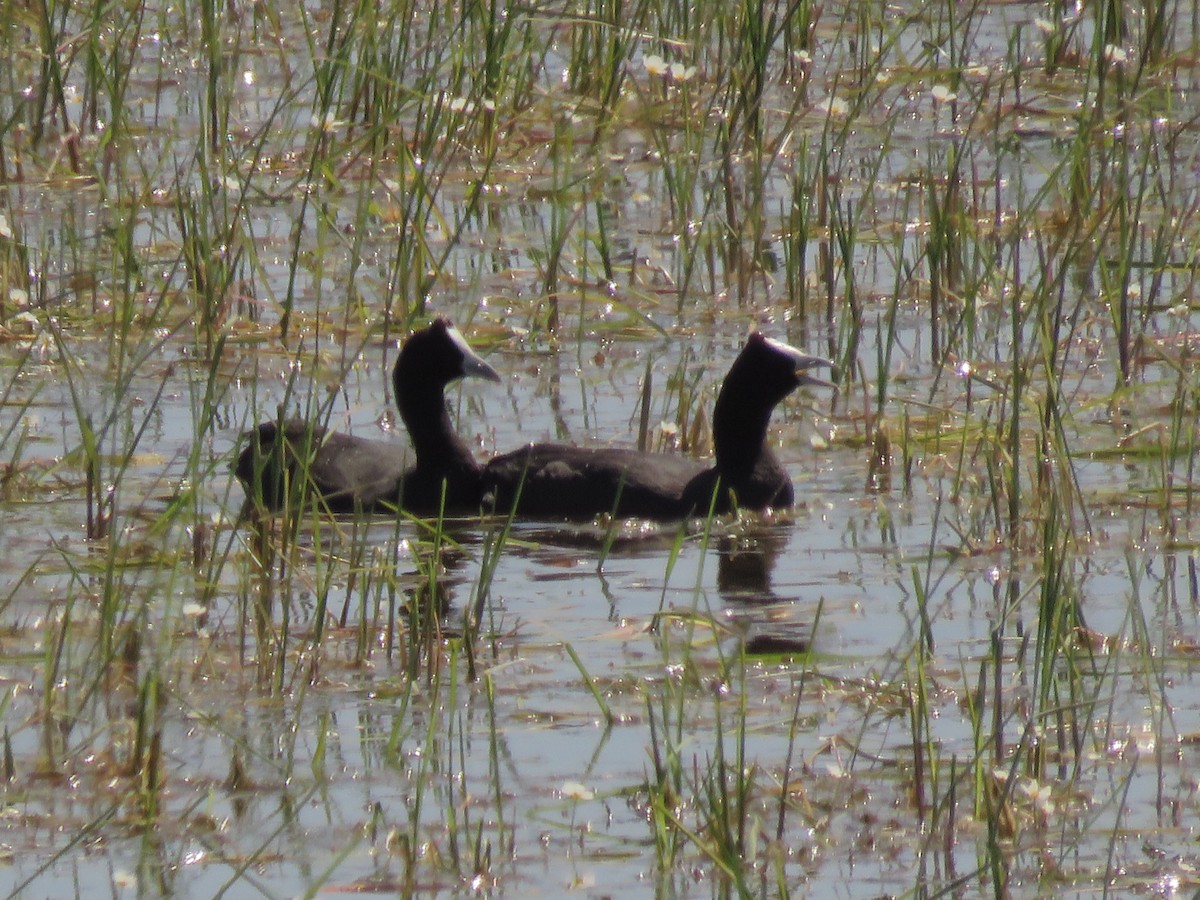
(739, 431)
(438, 446)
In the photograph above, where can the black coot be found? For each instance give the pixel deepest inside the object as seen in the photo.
(557, 481)
(347, 473)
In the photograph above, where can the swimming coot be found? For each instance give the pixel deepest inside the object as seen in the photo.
(347, 473)
(556, 481)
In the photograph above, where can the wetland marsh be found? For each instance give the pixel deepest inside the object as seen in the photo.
(965, 664)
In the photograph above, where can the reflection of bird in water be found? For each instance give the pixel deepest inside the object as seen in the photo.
(428, 605)
(429, 589)
(745, 562)
(766, 624)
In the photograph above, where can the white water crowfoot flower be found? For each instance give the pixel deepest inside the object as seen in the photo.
(1039, 795)
(677, 72)
(942, 94)
(1118, 56)
(681, 73)
(327, 123)
(573, 790)
(654, 64)
(24, 323)
(836, 107)
(467, 105)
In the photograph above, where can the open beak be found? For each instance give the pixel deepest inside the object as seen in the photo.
(802, 363)
(473, 365)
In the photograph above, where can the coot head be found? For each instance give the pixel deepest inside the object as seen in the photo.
(763, 374)
(447, 472)
(770, 370)
(429, 360)
(748, 473)
(432, 358)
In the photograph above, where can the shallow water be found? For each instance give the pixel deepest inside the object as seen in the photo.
(847, 555)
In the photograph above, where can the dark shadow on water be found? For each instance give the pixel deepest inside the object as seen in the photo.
(747, 553)
(766, 624)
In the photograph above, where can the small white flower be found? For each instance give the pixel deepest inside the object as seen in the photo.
(327, 123)
(18, 296)
(573, 790)
(1045, 26)
(1116, 55)
(124, 879)
(681, 73)
(654, 64)
(5, 229)
(835, 106)
(1039, 795)
(942, 94)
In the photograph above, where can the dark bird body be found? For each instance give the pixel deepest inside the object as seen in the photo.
(345, 473)
(557, 481)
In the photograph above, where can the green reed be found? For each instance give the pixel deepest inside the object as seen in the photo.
(602, 44)
(494, 543)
